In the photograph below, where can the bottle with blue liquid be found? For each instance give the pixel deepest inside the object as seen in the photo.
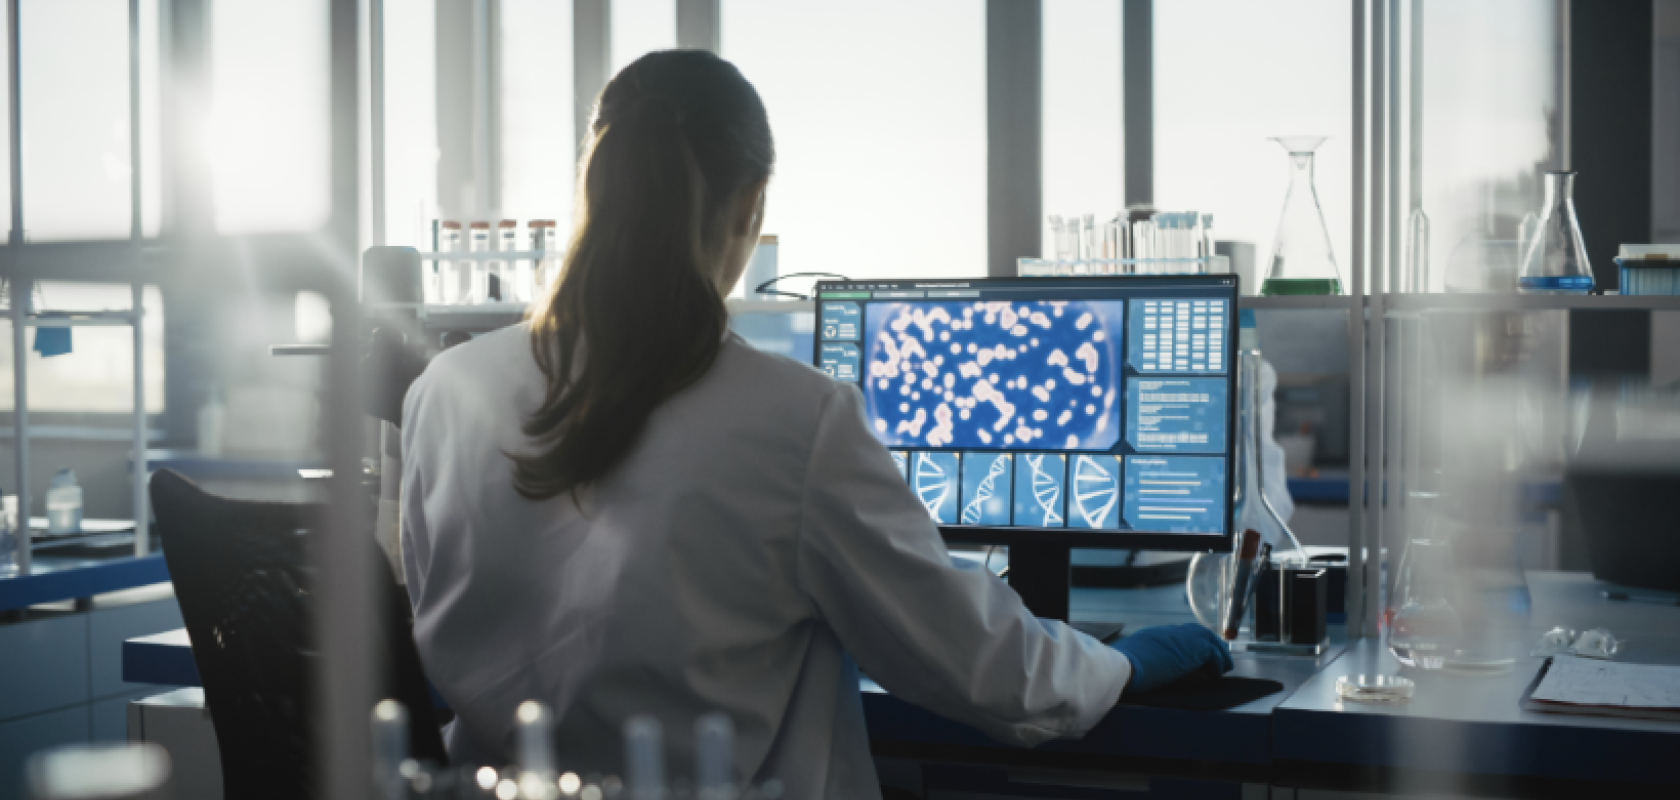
(1554, 258)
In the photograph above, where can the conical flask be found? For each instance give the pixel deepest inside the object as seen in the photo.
(1301, 259)
(1554, 258)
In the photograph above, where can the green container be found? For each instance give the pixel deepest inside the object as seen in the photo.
(1295, 287)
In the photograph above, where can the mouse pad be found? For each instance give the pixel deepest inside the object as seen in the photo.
(1216, 694)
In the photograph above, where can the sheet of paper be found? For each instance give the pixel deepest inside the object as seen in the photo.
(1588, 681)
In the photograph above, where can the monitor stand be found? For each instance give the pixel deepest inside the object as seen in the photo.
(1042, 575)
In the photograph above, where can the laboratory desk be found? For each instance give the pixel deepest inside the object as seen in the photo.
(1460, 735)
(57, 578)
(1467, 734)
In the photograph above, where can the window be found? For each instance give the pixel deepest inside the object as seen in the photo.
(98, 374)
(411, 141)
(1488, 98)
(1084, 147)
(269, 128)
(539, 156)
(1228, 75)
(879, 111)
(75, 104)
(640, 27)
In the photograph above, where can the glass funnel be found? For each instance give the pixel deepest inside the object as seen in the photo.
(1301, 259)
(1554, 258)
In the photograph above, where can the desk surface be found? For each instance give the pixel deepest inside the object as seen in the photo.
(56, 578)
(1457, 725)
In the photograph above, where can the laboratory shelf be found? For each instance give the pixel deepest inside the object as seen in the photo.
(491, 255)
(80, 319)
(1527, 302)
(1282, 302)
(53, 579)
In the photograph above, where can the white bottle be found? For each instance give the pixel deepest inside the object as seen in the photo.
(64, 504)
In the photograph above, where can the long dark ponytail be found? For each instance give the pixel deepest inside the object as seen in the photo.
(636, 315)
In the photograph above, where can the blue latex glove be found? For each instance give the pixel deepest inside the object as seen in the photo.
(1165, 653)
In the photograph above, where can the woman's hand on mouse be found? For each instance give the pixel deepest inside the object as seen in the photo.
(1165, 653)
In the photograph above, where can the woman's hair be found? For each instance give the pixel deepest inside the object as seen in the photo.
(636, 315)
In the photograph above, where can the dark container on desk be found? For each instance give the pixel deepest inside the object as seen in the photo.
(1292, 605)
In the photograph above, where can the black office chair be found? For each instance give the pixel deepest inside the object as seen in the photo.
(243, 580)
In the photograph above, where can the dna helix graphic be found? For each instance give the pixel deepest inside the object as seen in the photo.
(1094, 491)
(932, 485)
(987, 489)
(902, 461)
(1047, 491)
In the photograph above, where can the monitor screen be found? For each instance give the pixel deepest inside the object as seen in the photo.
(1092, 411)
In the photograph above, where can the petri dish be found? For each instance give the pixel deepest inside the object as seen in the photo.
(1374, 688)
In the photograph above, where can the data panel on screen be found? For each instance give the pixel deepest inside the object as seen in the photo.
(1096, 405)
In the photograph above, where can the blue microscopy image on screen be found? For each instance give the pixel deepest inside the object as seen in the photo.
(1094, 496)
(995, 375)
(986, 484)
(935, 478)
(1175, 494)
(1040, 483)
(840, 321)
(1176, 415)
(1178, 336)
(840, 362)
(901, 460)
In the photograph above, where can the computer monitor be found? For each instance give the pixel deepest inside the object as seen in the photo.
(1049, 413)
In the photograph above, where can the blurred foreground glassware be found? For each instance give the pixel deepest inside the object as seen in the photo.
(1302, 263)
(1416, 279)
(1555, 258)
(1425, 628)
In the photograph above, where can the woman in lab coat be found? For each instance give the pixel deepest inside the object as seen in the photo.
(621, 508)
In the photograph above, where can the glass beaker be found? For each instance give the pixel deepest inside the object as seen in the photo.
(1424, 628)
(1302, 263)
(1554, 258)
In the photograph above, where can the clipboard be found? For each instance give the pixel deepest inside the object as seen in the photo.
(1528, 703)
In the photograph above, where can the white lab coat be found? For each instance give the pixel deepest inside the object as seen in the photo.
(755, 540)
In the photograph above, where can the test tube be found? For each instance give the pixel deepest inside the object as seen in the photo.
(1089, 250)
(1143, 246)
(644, 758)
(1209, 250)
(454, 277)
(478, 241)
(714, 757)
(534, 729)
(390, 748)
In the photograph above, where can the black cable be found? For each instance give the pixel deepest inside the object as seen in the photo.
(764, 288)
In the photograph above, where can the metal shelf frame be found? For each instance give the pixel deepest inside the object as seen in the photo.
(22, 261)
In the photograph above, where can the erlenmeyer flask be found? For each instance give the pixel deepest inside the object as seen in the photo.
(1555, 259)
(1301, 259)
(1425, 628)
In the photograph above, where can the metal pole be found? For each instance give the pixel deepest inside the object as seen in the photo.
(698, 24)
(1357, 555)
(376, 114)
(347, 630)
(1137, 78)
(482, 178)
(591, 62)
(1014, 137)
(21, 290)
(136, 235)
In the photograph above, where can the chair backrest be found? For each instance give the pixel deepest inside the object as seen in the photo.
(243, 579)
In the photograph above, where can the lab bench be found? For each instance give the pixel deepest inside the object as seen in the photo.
(1460, 735)
(62, 629)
